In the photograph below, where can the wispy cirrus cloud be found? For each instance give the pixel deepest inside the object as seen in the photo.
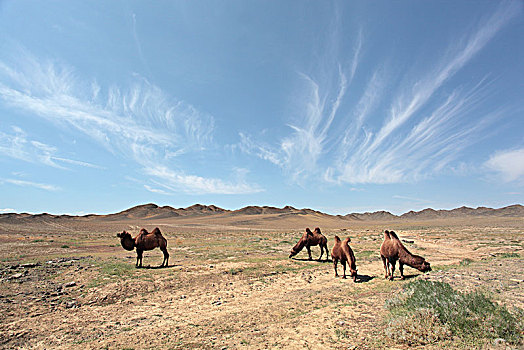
(38, 185)
(140, 123)
(412, 143)
(409, 103)
(18, 145)
(418, 128)
(181, 182)
(301, 151)
(156, 190)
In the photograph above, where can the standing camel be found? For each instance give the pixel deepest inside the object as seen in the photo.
(343, 252)
(309, 239)
(392, 250)
(145, 241)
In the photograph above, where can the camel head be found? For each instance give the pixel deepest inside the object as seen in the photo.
(425, 267)
(420, 264)
(127, 242)
(300, 244)
(353, 271)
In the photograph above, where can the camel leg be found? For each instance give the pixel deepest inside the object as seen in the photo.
(392, 263)
(139, 254)
(309, 252)
(321, 252)
(335, 261)
(344, 265)
(401, 269)
(166, 258)
(386, 266)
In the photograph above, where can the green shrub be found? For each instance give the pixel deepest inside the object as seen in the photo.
(465, 262)
(508, 255)
(426, 312)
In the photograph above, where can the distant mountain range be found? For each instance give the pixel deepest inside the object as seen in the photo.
(154, 212)
(516, 210)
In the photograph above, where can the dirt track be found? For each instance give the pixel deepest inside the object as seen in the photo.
(229, 288)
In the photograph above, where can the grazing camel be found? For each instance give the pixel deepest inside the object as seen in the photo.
(392, 250)
(343, 252)
(309, 239)
(145, 241)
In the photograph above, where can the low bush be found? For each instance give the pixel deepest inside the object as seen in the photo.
(427, 312)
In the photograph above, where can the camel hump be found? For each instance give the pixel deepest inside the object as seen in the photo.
(337, 239)
(393, 234)
(317, 230)
(308, 231)
(347, 240)
(156, 231)
(386, 235)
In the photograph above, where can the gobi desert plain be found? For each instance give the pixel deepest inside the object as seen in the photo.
(66, 282)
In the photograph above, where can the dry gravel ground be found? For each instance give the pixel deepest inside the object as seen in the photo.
(71, 285)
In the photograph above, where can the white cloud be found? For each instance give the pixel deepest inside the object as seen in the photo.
(141, 123)
(298, 154)
(178, 181)
(41, 186)
(509, 164)
(247, 145)
(7, 210)
(422, 131)
(77, 162)
(156, 190)
(18, 145)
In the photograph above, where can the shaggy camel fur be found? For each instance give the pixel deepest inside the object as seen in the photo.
(343, 252)
(145, 241)
(309, 239)
(392, 250)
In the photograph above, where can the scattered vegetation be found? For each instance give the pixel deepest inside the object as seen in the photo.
(508, 255)
(367, 253)
(466, 262)
(109, 270)
(428, 312)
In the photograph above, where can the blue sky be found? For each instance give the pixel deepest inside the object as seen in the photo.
(337, 106)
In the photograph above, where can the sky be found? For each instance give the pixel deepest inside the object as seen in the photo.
(336, 106)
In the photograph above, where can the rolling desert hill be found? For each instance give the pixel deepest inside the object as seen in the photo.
(199, 215)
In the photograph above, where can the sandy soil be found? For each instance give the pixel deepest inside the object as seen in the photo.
(69, 285)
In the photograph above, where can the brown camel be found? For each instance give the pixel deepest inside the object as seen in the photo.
(392, 250)
(309, 239)
(343, 252)
(145, 241)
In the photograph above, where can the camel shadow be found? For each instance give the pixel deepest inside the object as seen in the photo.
(364, 278)
(406, 277)
(148, 267)
(314, 260)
